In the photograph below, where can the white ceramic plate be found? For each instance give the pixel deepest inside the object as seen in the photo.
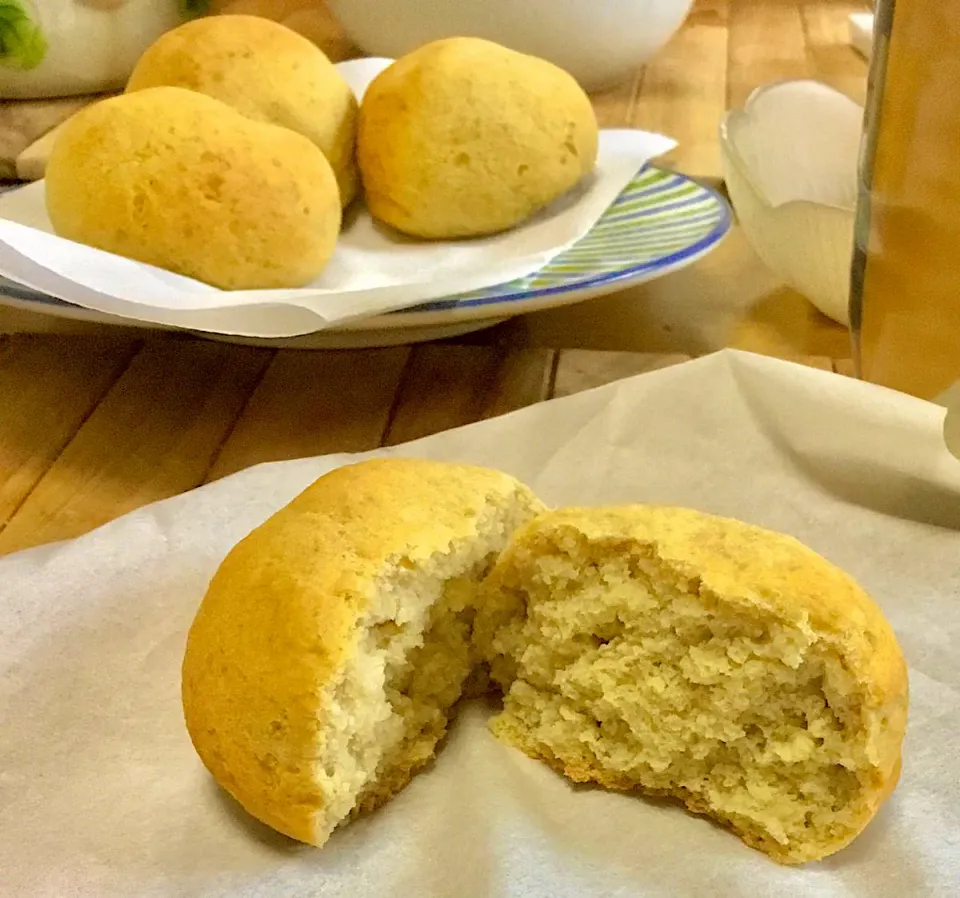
(662, 222)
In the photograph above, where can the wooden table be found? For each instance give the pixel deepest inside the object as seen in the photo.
(93, 427)
(97, 422)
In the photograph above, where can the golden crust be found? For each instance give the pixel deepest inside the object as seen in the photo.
(437, 166)
(268, 73)
(745, 566)
(277, 622)
(179, 180)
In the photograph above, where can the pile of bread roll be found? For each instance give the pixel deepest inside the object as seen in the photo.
(641, 648)
(237, 145)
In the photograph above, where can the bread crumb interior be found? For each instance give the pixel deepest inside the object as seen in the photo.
(619, 670)
(384, 716)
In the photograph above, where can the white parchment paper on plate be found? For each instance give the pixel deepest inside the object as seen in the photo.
(102, 795)
(372, 271)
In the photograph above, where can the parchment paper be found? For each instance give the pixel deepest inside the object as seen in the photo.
(373, 270)
(101, 793)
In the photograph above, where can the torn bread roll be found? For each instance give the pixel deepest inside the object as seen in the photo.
(333, 641)
(686, 655)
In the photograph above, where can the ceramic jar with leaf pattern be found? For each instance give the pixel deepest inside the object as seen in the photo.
(57, 48)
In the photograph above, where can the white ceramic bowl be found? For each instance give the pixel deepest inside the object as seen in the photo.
(58, 48)
(790, 163)
(600, 44)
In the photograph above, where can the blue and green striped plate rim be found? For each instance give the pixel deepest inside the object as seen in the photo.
(660, 220)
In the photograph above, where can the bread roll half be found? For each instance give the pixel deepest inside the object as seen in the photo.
(702, 658)
(334, 639)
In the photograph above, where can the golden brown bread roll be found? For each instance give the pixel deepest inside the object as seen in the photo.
(700, 658)
(177, 179)
(463, 137)
(266, 71)
(323, 662)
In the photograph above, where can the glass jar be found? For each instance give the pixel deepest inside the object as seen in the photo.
(905, 297)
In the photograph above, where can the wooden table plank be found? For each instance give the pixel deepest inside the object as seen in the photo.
(185, 411)
(579, 370)
(820, 362)
(615, 106)
(683, 91)
(315, 403)
(22, 123)
(155, 434)
(447, 386)
(830, 56)
(845, 367)
(46, 393)
(767, 43)
(786, 325)
(524, 377)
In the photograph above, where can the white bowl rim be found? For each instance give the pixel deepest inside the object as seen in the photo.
(729, 147)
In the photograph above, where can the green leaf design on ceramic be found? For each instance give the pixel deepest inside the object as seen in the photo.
(22, 43)
(191, 9)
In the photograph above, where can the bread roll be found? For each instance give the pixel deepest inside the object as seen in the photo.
(463, 138)
(179, 180)
(701, 658)
(326, 655)
(267, 72)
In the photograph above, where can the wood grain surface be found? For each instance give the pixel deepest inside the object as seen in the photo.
(22, 123)
(91, 428)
